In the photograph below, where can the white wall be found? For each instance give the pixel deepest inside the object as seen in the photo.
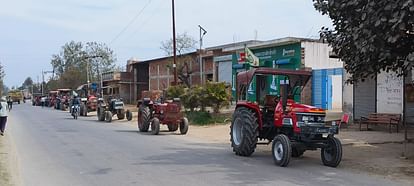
(389, 93)
(348, 96)
(336, 92)
(317, 56)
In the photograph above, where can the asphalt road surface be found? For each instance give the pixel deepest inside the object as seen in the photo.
(54, 149)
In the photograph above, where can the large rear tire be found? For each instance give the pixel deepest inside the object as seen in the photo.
(281, 150)
(184, 126)
(244, 132)
(332, 154)
(144, 117)
(155, 126)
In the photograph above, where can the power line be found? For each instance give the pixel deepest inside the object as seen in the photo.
(141, 26)
(130, 23)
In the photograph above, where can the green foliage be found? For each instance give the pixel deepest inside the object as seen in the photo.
(205, 118)
(192, 97)
(370, 36)
(27, 83)
(175, 92)
(77, 59)
(216, 95)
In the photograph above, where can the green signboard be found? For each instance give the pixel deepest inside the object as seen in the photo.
(281, 57)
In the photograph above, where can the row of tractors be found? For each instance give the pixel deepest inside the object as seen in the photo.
(291, 127)
(106, 106)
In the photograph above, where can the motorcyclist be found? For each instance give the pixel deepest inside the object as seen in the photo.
(75, 102)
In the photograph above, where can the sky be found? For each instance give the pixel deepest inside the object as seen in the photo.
(32, 31)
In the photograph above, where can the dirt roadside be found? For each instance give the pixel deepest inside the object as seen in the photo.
(375, 159)
(9, 174)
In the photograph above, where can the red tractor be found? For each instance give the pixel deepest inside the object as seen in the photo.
(155, 113)
(292, 128)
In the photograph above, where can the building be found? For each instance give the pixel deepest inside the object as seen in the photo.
(323, 90)
(118, 84)
(385, 93)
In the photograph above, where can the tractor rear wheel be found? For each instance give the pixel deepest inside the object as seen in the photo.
(244, 132)
(332, 154)
(184, 126)
(128, 115)
(172, 127)
(281, 150)
(155, 126)
(108, 116)
(121, 114)
(144, 117)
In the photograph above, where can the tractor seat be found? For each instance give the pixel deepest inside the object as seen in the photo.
(271, 101)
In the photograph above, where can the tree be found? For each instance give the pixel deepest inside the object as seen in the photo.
(184, 44)
(28, 82)
(76, 59)
(2, 74)
(370, 36)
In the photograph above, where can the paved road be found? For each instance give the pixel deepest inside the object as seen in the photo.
(53, 149)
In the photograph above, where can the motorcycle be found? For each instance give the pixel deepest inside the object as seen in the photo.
(75, 111)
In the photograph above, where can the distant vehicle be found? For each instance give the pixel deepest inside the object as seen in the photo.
(109, 106)
(16, 96)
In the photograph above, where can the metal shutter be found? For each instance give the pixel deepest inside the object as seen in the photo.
(364, 98)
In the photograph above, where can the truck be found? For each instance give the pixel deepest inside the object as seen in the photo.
(16, 96)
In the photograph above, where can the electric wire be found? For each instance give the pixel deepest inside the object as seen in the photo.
(130, 23)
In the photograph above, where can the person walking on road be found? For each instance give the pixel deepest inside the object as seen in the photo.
(9, 103)
(3, 115)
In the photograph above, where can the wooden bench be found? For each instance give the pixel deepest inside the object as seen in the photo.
(381, 118)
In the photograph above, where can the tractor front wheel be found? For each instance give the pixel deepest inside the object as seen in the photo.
(281, 150)
(121, 114)
(296, 153)
(155, 126)
(101, 114)
(108, 116)
(128, 115)
(144, 117)
(172, 127)
(184, 126)
(244, 132)
(332, 154)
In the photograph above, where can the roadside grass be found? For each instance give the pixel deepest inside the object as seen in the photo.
(207, 118)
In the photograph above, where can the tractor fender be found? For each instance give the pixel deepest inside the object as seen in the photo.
(145, 101)
(254, 107)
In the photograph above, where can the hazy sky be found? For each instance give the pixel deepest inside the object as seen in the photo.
(31, 31)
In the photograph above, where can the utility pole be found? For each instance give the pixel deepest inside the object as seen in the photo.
(43, 80)
(174, 45)
(200, 61)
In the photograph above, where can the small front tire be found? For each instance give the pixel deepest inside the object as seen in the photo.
(155, 126)
(332, 154)
(184, 126)
(281, 150)
(108, 116)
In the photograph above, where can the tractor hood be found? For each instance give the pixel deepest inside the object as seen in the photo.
(297, 107)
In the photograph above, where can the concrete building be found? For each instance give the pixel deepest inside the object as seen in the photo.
(118, 84)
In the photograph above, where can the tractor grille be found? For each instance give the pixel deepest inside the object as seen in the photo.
(310, 119)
